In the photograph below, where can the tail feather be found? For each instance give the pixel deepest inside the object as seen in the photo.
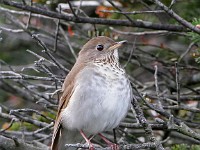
(68, 137)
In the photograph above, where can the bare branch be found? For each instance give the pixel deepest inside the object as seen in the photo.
(141, 24)
(177, 17)
(13, 144)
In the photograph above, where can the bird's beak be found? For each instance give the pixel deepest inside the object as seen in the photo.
(117, 45)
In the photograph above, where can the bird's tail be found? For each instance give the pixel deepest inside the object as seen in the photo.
(69, 137)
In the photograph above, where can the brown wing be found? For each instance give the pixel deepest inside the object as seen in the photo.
(67, 89)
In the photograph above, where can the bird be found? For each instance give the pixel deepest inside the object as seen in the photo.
(96, 95)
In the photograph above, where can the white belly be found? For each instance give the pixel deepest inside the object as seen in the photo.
(98, 103)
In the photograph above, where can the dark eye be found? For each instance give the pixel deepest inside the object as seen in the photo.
(99, 47)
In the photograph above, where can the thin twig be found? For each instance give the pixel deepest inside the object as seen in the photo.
(67, 40)
(145, 124)
(71, 8)
(28, 119)
(186, 52)
(47, 51)
(57, 31)
(131, 53)
(177, 83)
(29, 17)
(120, 10)
(177, 17)
(133, 12)
(9, 126)
(157, 87)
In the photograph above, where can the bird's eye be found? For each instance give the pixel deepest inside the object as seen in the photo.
(99, 47)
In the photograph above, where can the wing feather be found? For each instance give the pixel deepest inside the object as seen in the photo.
(67, 90)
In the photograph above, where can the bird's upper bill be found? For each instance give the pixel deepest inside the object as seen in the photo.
(117, 45)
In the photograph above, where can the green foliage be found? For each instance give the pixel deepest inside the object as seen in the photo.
(191, 8)
(195, 147)
(166, 53)
(185, 147)
(29, 127)
(198, 54)
(42, 119)
(195, 37)
(16, 126)
(180, 147)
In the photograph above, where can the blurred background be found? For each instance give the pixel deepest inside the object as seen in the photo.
(37, 52)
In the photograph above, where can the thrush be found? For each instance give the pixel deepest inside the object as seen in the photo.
(96, 94)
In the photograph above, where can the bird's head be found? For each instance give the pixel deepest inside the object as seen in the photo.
(99, 49)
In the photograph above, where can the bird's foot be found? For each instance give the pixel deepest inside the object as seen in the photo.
(91, 147)
(114, 146)
(109, 143)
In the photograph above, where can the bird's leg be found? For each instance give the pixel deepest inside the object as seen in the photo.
(91, 147)
(112, 145)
